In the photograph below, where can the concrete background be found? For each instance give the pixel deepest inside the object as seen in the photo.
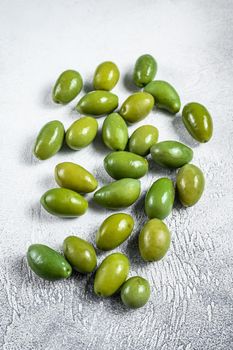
(191, 301)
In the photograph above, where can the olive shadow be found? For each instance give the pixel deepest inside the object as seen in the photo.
(102, 175)
(159, 171)
(27, 155)
(95, 207)
(129, 84)
(88, 87)
(182, 133)
(47, 100)
(74, 114)
(66, 150)
(48, 182)
(98, 144)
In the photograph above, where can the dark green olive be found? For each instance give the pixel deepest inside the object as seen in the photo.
(144, 70)
(47, 263)
(171, 154)
(198, 121)
(159, 199)
(165, 96)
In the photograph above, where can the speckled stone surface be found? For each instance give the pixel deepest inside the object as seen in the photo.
(191, 303)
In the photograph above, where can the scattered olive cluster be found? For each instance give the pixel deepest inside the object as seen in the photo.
(126, 167)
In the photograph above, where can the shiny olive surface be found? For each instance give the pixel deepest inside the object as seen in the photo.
(142, 139)
(80, 254)
(114, 230)
(118, 194)
(144, 70)
(124, 164)
(75, 177)
(171, 154)
(165, 96)
(111, 274)
(115, 132)
(190, 184)
(64, 202)
(97, 103)
(49, 140)
(154, 240)
(136, 107)
(159, 199)
(106, 76)
(81, 133)
(67, 87)
(47, 263)
(198, 121)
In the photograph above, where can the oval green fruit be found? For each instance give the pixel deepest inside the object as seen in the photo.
(154, 240)
(135, 292)
(159, 199)
(165, 96)
(81, 133)
(47, 263)
(114, 230)
(118, 194)
(124, 164)
(190, 184)
(171, 154)
(97, 102)
(136, 107)
(80, 254)
(67, 87)
(198, 121)
(63, 202)
(74, 177)
(111, 274)
(144, 70)
(49, 140)
(142, 139)
(106, 76)
(115, 132)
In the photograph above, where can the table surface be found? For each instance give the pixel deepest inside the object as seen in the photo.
(191, 300)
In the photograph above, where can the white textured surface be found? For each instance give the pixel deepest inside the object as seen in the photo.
(191, 301)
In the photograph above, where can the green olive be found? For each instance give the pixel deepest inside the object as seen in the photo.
(136, 107)
(135, 292)
(171, 154)
(114, 230)
(154, 240)
(143, 139)
(159, 199)
(124, 164)
(106, 76)
(80, 254)
(81, 133)
(165, 96)
(111, 274)
(67, 87)
(63, 202)
(118, 194)
(144, 70)
(198, 121)
(115, 132)
(97, 102)
(49, 140)
(74, 177)
(47, 263)
(190, 184)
